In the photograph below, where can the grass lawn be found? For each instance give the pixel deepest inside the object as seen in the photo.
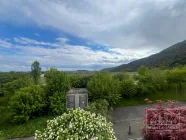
(9, 130)
(163, 95)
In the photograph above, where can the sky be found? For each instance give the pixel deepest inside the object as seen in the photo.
(86, 34)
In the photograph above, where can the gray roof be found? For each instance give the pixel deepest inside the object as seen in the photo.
(78, 91)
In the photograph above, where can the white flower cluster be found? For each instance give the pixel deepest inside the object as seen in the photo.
(77, 125)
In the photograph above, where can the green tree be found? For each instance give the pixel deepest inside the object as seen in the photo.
(79, 81)
(57, 85)
(153, 79)
(27, 103)
(176, 76)
(56, 81)
(121, 76)
(11, 87)
(127, 88)
(103, 86)
(100, 106)
(35, 72)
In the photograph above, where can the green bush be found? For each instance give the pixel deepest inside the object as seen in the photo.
(127, 88)
(26, 103)
(100, 106)
(121, 76)
(153, 79)
(11, 87)
(57, 85)
(77, 125)
(103, 86)
(141, 90)
(79, 81)
(58, 103)
(56, 81)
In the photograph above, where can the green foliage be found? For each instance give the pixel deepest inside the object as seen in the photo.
(56, 81)
(103, 86)
(6, 77)
(77, 125)
(26, 103)
(57, 85)
(100, 106)
(79, 81)
(10, 76)
(141, 90)
(11, 87)
(58, 103)
(35, 72)
(121, 76)
(176, 76)
(127, 88)
(151, 79)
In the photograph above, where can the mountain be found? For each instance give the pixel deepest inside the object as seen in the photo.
(168, 58)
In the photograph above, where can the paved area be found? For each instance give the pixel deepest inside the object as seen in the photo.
(121, 118)
(124, 116)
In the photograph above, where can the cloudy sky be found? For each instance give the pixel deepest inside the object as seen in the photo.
(86, 34)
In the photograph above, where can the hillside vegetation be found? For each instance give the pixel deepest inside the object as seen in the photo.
(168, 58)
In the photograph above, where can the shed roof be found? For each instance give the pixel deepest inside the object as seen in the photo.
(78, 91)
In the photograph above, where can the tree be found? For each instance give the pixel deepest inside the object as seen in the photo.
(127, 88)
(35, 72)
(121, 76)
(57, 85)
(56, 81)
(27, 103)
(11, 87)
(103, 86)
(176, 76)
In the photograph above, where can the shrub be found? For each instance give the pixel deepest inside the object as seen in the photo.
(168, 123)
(79, 81)
(27, 102)
(11, 87)
(77, 124)
(57, 85)
(141, 90)
(99, 106)
(127, 88)
(56, 81)
(58, 103)
(121, 76)
(103, 86)
(153, 79)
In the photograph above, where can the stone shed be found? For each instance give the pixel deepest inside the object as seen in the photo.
(77, 97)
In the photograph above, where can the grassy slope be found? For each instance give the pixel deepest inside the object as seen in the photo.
(9, 130)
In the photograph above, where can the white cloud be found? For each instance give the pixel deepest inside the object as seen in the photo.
(120, 24)
(65, 56)
(5, 44)
(37, 34)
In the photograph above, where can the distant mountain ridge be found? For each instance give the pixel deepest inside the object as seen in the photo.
(168, 58)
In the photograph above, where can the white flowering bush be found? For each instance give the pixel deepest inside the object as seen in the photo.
(77, 125)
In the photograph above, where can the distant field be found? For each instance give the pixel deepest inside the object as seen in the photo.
(93, 72)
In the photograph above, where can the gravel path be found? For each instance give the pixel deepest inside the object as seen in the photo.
(121, 118)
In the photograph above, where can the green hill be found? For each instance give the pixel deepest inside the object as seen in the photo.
(168, 58)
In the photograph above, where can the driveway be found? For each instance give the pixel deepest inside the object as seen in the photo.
(124, 116)
(121, 117)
